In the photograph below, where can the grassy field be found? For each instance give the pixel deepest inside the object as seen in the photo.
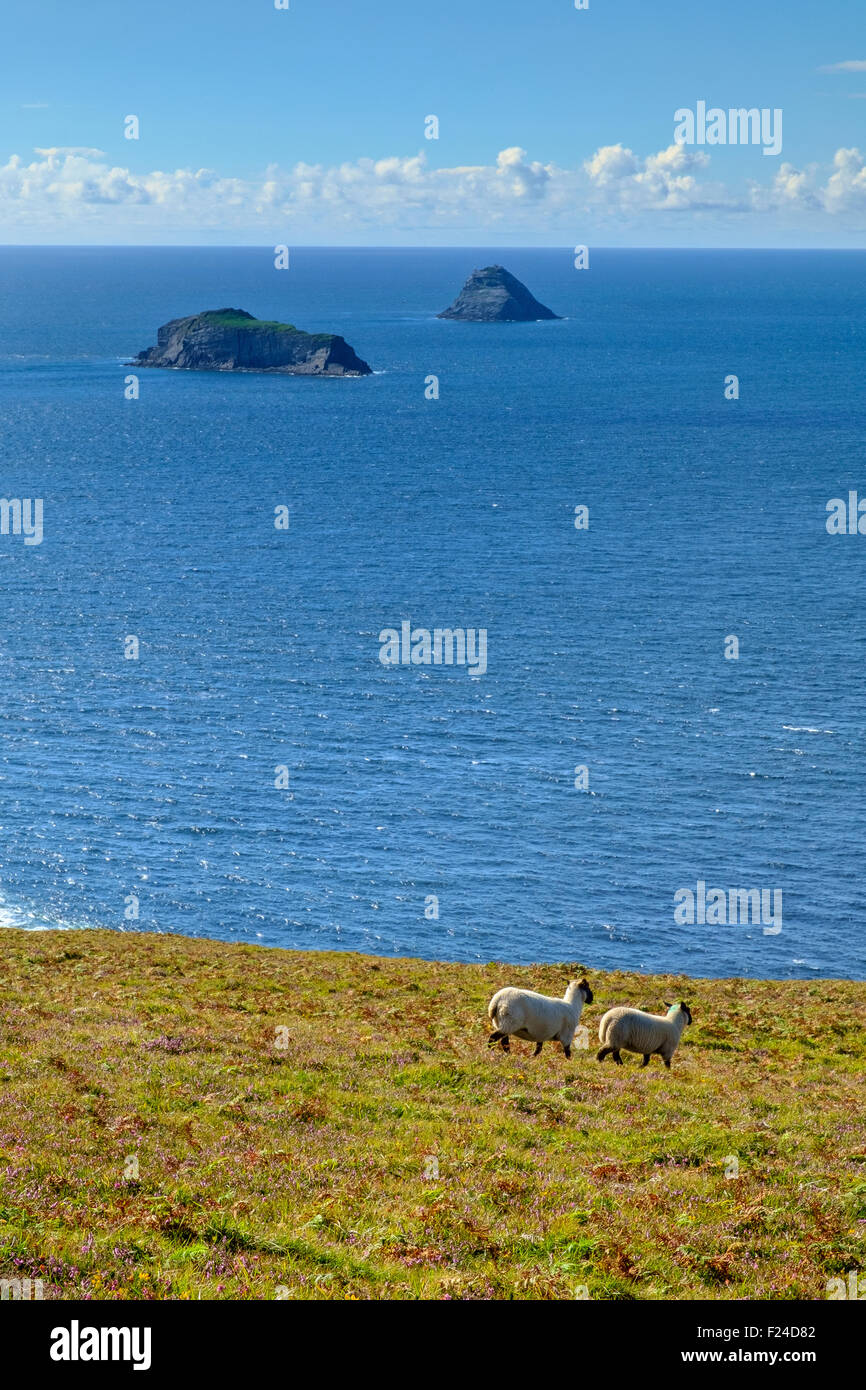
(184, 1119)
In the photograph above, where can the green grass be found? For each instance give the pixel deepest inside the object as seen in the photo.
(227, 319)
(299, 1171)
(236, 321)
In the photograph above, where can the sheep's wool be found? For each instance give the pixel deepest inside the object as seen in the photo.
(631, 1030)
(524, 1014)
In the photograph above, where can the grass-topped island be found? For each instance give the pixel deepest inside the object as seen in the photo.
(231, 340)
(184, 1118)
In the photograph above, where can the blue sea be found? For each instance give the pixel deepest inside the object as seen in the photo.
(427, 811)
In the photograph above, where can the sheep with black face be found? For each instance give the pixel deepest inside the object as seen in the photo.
(521, 1013)
(631, 1030)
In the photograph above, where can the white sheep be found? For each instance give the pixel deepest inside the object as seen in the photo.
(634, 1031)
(522, 1013)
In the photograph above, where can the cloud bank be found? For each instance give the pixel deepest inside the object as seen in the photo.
(66, 186)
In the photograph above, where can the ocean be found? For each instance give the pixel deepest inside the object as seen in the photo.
(257, 774)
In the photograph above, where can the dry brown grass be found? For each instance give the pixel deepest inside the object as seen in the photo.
(299, 1171)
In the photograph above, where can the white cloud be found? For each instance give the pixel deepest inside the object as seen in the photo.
(812, 190)
(850, 65)
(846, 187)
(55, 151)
(793, 185)
(610, 165)
(394, 190)
(663, 182)
(523, 180)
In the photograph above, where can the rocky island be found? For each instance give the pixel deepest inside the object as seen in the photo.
(493, 295)
(231, 340)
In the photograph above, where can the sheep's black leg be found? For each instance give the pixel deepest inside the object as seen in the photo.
(600, 1056)
(538, 1047)
(667, 1064)
(646, 1057)
(616, 1057)
(567, 1051)
(505, 1043)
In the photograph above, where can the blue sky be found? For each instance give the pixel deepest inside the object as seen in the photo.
(233, 96)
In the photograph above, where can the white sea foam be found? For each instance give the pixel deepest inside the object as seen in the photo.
(28, 919)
